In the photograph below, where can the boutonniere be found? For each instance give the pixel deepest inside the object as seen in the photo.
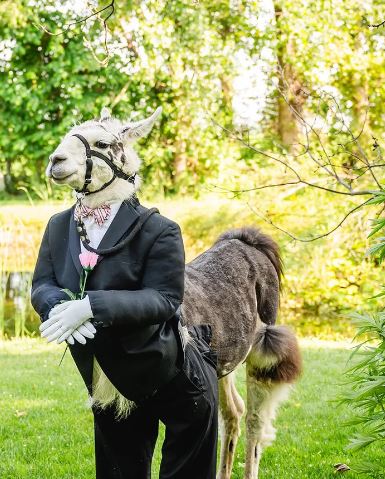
(88, 260)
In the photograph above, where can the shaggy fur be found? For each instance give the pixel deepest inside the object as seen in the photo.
(255, 238)
(279, 344)
(235, 286)
(226, 286)
(104, 394)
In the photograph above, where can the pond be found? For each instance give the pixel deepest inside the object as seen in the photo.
(17, 317)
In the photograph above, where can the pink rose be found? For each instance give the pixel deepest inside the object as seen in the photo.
(88, 260)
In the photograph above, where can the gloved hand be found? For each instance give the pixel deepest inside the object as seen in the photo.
(65, 318)
(86, 330)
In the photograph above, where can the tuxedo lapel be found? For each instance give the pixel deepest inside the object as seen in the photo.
(74, 242)
(124, 218)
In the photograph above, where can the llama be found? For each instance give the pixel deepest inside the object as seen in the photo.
(234, 287)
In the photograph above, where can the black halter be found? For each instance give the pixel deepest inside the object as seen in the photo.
(115, 170)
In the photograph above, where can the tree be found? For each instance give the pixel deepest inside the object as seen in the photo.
(59, 70)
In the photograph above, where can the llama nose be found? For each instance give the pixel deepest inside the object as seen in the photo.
(56, 157)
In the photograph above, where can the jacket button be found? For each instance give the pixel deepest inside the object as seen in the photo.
(98, 323)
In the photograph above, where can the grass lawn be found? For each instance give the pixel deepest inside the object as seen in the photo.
(46, 430)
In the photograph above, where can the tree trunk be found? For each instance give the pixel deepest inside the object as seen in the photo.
(9, 182)
(360, 98)
(291, 95)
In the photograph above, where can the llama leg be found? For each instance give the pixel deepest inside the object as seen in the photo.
(237, 398)
(263, 398)
(257, 395)
(231, 408)
(273, 364)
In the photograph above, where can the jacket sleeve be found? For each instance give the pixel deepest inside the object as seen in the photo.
(45, 292)
(161, 293)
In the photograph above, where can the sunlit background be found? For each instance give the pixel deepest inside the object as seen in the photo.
(252, 92)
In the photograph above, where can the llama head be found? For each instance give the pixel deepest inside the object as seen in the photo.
(111, 137)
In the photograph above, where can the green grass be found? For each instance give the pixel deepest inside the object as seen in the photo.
(46, 431)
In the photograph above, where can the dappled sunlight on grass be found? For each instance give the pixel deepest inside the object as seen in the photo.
(29, 346)
(24, 405)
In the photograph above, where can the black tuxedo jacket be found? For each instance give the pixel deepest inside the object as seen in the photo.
(134, 295)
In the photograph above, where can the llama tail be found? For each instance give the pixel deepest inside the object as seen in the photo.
(275, 355)
(266, 245)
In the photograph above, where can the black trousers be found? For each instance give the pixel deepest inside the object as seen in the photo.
(187, 406)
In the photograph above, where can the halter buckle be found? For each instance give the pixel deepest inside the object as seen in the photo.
(80, 196)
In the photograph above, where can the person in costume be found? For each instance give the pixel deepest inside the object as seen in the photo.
(139, 364)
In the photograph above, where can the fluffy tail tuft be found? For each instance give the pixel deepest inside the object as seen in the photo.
(275, 355)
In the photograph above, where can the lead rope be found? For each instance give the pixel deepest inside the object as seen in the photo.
(80, 226)
(107, 251)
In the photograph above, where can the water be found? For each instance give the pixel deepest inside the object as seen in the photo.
(17, 317)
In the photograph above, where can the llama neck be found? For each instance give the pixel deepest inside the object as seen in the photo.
(119, 190)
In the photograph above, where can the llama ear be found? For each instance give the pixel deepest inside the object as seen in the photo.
(137, 129)
(105, 114)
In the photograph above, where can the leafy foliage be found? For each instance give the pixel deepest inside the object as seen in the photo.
(367, 375)
(324, 281)
(188, 57)
(168, 53)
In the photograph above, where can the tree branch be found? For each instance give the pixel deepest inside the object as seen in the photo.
(313, 238)
(313, 147)
(286, 165)
(81, 20)
(84, 20)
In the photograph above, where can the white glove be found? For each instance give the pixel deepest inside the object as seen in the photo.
(65, 318)
(86, 330)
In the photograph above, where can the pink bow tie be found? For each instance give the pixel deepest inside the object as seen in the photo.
(100, 214)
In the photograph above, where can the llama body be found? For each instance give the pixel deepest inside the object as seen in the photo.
(234, 286)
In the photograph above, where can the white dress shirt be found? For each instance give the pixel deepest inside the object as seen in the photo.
(94, 231)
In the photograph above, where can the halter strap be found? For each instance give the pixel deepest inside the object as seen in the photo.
(116, 172)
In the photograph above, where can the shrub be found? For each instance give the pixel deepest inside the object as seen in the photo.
(367, 397)
(367, 375)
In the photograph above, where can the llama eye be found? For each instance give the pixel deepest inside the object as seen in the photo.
(101, 144)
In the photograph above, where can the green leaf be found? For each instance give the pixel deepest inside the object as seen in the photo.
(360, 442)
(70, 293)
(380, 225)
